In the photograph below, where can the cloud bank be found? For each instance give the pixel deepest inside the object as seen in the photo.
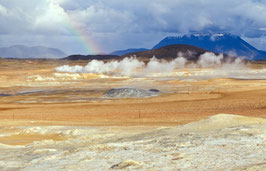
(118, 24)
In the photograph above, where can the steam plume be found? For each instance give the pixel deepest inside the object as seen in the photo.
(132, 66)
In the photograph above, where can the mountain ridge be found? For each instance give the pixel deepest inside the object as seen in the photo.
(22, 51)
(90, 57)
(219, 43)
(191, 53)
(126, 51)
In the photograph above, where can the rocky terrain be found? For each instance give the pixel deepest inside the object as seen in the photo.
(130, 93)
(220, 142)
(51, 120)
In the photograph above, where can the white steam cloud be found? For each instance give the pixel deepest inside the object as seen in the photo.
(209, 59)
(134, 67)
(124, 67)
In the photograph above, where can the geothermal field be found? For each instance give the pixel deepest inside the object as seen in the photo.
(133, 114)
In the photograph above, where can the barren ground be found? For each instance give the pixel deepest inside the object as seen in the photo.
(38, 104)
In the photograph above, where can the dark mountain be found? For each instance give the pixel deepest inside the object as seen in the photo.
(219, 43)
(91, 57)
(171, 51)
(20, 51)
(123, 52)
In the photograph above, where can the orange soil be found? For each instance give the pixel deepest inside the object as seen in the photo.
(169, 109)
(246, 97)
(23, 139)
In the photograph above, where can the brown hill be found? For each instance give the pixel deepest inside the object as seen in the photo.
(91, 57)
(191, 53)
(170, 52)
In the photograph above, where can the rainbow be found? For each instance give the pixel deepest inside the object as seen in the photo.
(83, 37)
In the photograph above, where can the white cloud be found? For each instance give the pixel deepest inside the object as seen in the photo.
(3, 11)
(130, 23)
(32, 17)
(101, 18)
(51, 19)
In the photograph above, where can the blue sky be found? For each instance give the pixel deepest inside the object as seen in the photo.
(121, 24)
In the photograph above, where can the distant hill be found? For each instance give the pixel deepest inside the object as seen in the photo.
(171, 51)
(123, 52)
(21, 51)
(91, 57)
(167, 52)
(219, 43)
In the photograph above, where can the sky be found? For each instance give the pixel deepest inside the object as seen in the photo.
(93, 26)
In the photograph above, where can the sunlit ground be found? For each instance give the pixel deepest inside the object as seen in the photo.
(60, 120)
